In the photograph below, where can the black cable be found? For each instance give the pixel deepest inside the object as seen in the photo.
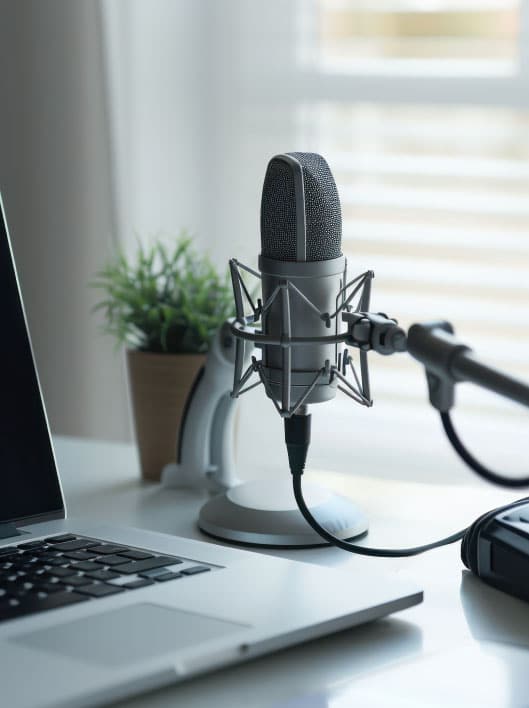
(363, 550)
(297, 438)
(474, 464)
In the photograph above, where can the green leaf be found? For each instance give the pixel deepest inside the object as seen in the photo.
(166, 298)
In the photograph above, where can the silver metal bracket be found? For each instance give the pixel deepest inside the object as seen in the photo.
(352, 304)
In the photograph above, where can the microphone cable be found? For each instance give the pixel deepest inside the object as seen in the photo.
(297, 437)
(473, 463)
(364, 550)
(297, 434)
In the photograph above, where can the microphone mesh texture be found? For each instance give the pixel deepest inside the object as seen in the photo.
(323, 216)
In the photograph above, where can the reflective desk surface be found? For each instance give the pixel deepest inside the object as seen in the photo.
(465, 645)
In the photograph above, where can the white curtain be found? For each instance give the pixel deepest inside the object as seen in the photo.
(196, 112)
(55, 179)
(192, 117)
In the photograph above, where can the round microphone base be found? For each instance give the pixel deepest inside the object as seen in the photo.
(265, 513)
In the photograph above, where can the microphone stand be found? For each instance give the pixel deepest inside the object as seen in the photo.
(266, 512)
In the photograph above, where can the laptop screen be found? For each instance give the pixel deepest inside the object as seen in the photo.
(29, 483)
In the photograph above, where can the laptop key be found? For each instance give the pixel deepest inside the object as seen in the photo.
(86, 566)
(60, 560)
(110, 560)
(76, 581)
(153, 573)
(163, 577)
(61, 572)
(31, 544)
(80, 555)
(76, 545)
(103, 575)
(49, 555)
(49, 587)
(60, 539)
(195, 570)
(142, 583)
(137, 555)
(100, 590)
(107, 549)
(148, 564)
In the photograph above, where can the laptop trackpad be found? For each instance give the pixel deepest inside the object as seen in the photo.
(129, 634)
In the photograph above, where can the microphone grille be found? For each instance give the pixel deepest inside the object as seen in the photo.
(281, 199)
(278, 212)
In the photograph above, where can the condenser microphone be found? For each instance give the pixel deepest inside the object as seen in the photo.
(301, 237)
(306, 315)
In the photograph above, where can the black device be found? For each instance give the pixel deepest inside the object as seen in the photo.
(496, 548)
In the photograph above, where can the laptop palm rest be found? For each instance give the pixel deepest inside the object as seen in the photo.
(128, 635)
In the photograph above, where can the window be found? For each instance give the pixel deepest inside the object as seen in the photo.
(447, 36)
(422, 119)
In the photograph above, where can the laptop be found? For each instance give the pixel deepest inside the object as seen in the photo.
(91, 613)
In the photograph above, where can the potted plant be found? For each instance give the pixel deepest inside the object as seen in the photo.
(164, 305)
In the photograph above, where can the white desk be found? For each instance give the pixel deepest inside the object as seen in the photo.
(466, 645)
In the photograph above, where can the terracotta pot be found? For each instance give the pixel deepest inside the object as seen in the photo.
(159, 387)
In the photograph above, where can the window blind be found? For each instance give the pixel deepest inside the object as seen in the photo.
(435, 195)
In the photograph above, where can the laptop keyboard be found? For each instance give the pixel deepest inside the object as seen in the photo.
(66, 569)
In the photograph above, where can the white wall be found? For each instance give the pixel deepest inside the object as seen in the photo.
(192, 131)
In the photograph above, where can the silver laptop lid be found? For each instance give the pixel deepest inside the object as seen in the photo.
(30, 490)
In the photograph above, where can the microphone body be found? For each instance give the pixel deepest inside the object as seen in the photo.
(319, 282)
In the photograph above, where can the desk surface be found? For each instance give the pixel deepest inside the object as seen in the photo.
(466, 644)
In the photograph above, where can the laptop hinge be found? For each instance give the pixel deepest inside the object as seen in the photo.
(7, 530)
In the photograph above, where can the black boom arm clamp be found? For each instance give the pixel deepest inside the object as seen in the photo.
(374, 331)
(436, 347)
